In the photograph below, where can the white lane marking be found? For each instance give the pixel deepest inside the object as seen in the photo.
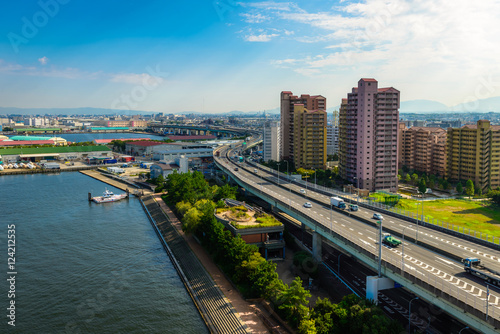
(449, 262)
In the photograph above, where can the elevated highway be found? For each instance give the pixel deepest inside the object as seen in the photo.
(429, 268)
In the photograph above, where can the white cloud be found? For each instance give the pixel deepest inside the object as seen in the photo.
(255, 18)
(44, 60)
(260, 38)
(453, 41)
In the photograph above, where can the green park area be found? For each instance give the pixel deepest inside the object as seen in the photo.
(481, 216)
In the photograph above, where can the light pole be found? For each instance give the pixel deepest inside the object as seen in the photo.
(409, 315)
(403, 252)
(278, 172)
(463, 329)
(315, 178)
(331, 217)
(416, 235)
(380, 249)
(355, 179)
(307, 173)
(289, 185)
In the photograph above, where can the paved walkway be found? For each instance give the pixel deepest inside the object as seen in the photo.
(247, 311)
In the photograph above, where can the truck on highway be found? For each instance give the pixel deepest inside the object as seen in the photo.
(473, 266)
(337, 202)
(390, 240)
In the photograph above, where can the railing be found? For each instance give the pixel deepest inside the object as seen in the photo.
(466, 233)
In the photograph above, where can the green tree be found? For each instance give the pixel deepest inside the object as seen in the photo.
(307, 326)
(469, 188)
(422, 186)
(408, 178)
(414, 179)
(460, 188)
(183, 207)
(294, 302)
(191, 220)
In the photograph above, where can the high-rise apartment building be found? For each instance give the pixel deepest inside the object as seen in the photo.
(271, 141)
(288, 100)
(309, 138)
(332, 139)
(369, 136)
(423, 149)
(474, 153)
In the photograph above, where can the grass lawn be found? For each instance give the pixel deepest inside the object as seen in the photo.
(480, 216)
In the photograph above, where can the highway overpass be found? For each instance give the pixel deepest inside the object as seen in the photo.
(424, 270)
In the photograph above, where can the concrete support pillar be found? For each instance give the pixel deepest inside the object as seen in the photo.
(316, 243)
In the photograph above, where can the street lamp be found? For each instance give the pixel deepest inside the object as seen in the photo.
(278, 172)
(307, 173)
(463, 329)
(289, 185)
(403, 253)
(315, 178)
(409, 315)
(380, 249)
(416, 235)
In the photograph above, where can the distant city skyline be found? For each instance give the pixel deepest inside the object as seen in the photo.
(219, 56)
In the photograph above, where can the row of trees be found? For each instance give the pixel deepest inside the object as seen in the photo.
(327, 178)
(195, 200)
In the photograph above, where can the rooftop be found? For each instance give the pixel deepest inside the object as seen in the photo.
(107, 141)
(58, 149)
(145, 143)
(191, 137)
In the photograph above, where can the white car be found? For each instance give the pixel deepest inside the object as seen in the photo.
(302, 191)
(308, 205)
(378, 216)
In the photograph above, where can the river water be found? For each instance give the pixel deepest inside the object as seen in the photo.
(79, 137)
(83, 267)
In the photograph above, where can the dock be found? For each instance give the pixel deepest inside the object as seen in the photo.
(117, 183)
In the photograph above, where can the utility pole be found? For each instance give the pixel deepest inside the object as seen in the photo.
(380, 249)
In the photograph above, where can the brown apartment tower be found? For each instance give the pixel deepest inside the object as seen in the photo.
(288, 102)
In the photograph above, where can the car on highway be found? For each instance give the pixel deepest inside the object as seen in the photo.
(353, 207)
(378, 216)
(255, 170)
(236, 169)
(302, 191)
(308, 205)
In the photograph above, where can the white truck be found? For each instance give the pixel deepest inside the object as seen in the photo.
(337, 202)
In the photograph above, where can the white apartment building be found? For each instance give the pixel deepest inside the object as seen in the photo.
(272, 141)
(332, 139)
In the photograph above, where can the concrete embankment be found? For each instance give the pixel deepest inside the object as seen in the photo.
(45, 170)
(217, 312)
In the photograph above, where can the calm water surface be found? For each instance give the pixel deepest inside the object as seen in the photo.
(87, 268)
(79, 137)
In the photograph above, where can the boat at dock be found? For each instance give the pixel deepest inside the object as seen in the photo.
(109, 196)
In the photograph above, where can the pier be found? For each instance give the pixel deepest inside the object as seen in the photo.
(117, 183)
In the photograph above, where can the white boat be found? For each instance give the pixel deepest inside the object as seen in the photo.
(21, 165)
(109, 196)
(15, 166)
(1, 167)
(10, 166)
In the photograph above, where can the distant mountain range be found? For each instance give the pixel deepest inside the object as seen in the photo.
(413, 106)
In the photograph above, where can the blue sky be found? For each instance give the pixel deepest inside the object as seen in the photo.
(218, 56)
